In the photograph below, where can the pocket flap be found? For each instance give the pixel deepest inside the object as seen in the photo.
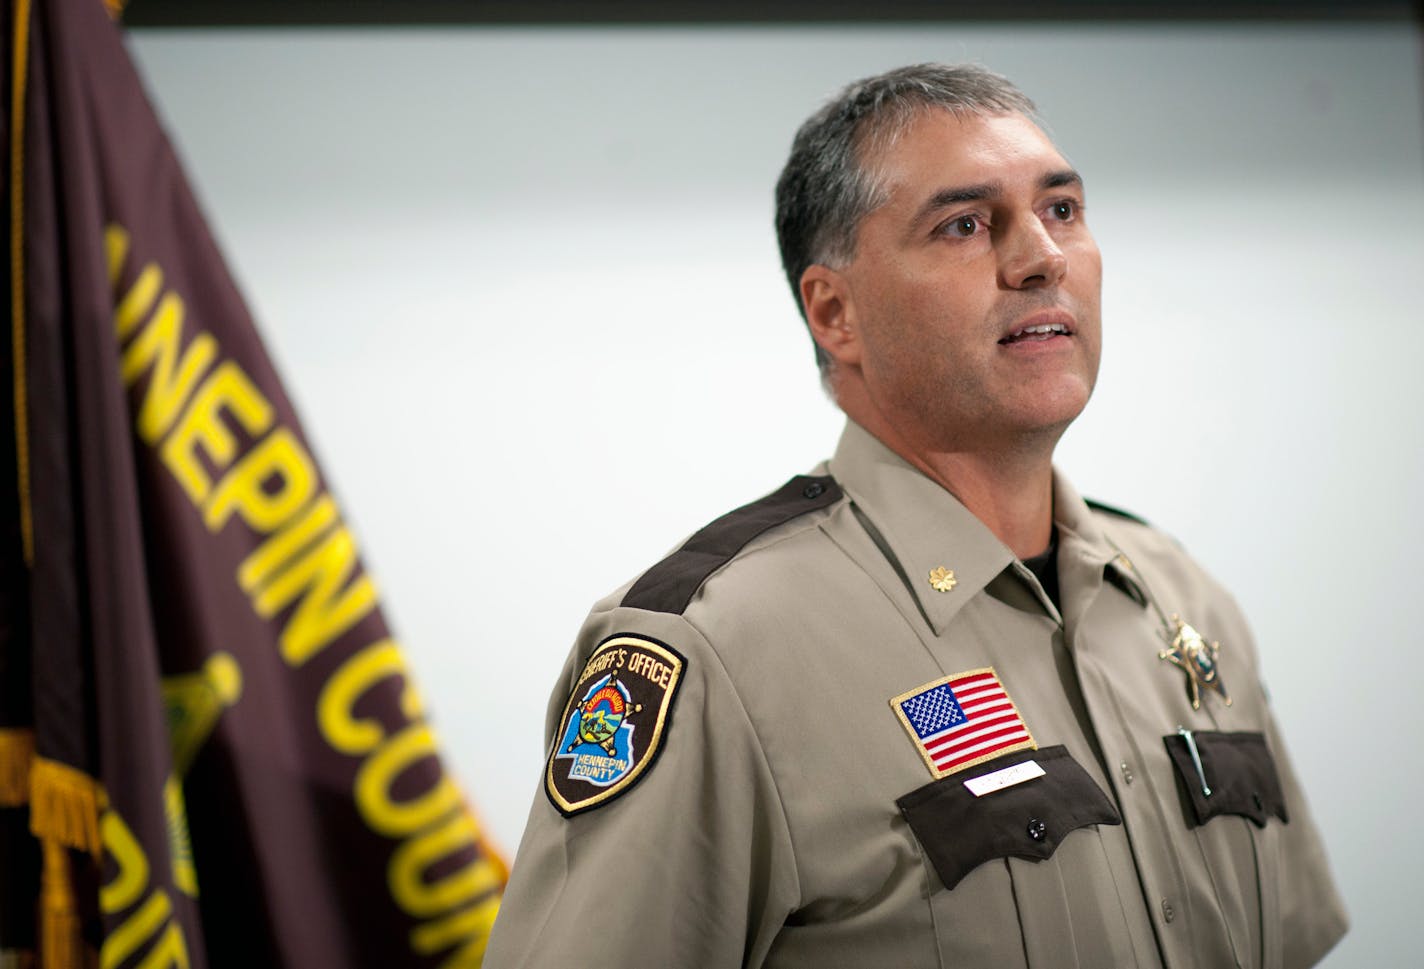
(1239, 770)
(959, 832)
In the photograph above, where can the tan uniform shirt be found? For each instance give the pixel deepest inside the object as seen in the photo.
(772, 826)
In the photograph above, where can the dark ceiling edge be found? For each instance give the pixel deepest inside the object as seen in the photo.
(730, 13)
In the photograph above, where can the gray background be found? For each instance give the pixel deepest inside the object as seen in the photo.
(523, 288)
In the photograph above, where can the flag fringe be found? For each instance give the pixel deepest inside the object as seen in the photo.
(64, 805)
(17, 753)
(61, 946)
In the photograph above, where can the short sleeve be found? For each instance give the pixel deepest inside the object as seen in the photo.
(690, 865)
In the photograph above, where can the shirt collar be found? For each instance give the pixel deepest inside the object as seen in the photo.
(1086, 553)
(928, 529)
(925, 527)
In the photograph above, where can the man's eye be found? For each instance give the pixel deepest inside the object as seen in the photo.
(964, 225)
(1064, 211)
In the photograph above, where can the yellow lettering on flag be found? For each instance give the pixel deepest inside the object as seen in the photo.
(202, 430)
(348, 684)
(141, 925)
(132, 876)
(152, 919)
(329, 601)
(247, 487)
(378, 773)
(116, 250)
(138, 301)
(280, 548)
(471, 926)
(170, 380)
(416, 857)
(171, 950)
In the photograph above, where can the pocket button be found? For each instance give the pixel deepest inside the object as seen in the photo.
(1037, 829)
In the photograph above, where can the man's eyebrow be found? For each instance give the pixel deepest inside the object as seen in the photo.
(946, 197)
(1061, 178)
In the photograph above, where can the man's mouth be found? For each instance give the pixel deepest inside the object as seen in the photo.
(1037, 333)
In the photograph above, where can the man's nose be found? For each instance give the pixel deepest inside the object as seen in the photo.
(1029, 258)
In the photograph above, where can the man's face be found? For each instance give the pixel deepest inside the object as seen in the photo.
(975, 288)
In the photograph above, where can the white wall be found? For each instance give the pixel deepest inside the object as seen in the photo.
(523, 287)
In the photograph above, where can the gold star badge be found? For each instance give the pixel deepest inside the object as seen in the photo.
(942, 579)
(1190, 653)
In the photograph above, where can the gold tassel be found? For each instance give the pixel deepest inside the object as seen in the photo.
(60, 944)
(17, 752)
(64, 805)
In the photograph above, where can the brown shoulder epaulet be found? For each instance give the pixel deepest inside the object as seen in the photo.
(670, 585)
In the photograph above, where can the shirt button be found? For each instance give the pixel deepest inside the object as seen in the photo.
(1037, 829)
(1126, 773)
(1168, 913)
(814, 490)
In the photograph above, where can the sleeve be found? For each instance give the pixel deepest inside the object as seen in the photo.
(690, 865)
(1313, 917)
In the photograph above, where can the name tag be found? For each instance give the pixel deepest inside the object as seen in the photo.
(1000, 779)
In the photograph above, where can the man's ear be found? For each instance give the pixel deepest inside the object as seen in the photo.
(830, 313)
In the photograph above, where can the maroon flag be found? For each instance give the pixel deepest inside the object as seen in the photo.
(222, 755)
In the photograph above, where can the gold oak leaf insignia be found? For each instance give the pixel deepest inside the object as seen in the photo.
(942, 579)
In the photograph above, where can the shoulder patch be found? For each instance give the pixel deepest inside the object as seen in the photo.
(615, 721)
(670, 585)
(1111, 510)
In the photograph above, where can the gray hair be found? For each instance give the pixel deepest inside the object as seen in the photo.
(826, 188)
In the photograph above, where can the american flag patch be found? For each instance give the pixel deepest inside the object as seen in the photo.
(962, 720)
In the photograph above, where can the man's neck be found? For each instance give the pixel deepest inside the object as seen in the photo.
(1013, 501)
(1009, 489)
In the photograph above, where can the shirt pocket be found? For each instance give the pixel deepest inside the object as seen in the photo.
(1023, 870)
(959, 831)
(1236, 827)
(1238, 776)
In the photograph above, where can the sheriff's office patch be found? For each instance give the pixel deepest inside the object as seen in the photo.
(614, 723)
(962, 720)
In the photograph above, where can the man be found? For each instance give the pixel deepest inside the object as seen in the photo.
(924, 707)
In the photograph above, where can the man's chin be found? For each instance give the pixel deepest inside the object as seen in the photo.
(1054, 406)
